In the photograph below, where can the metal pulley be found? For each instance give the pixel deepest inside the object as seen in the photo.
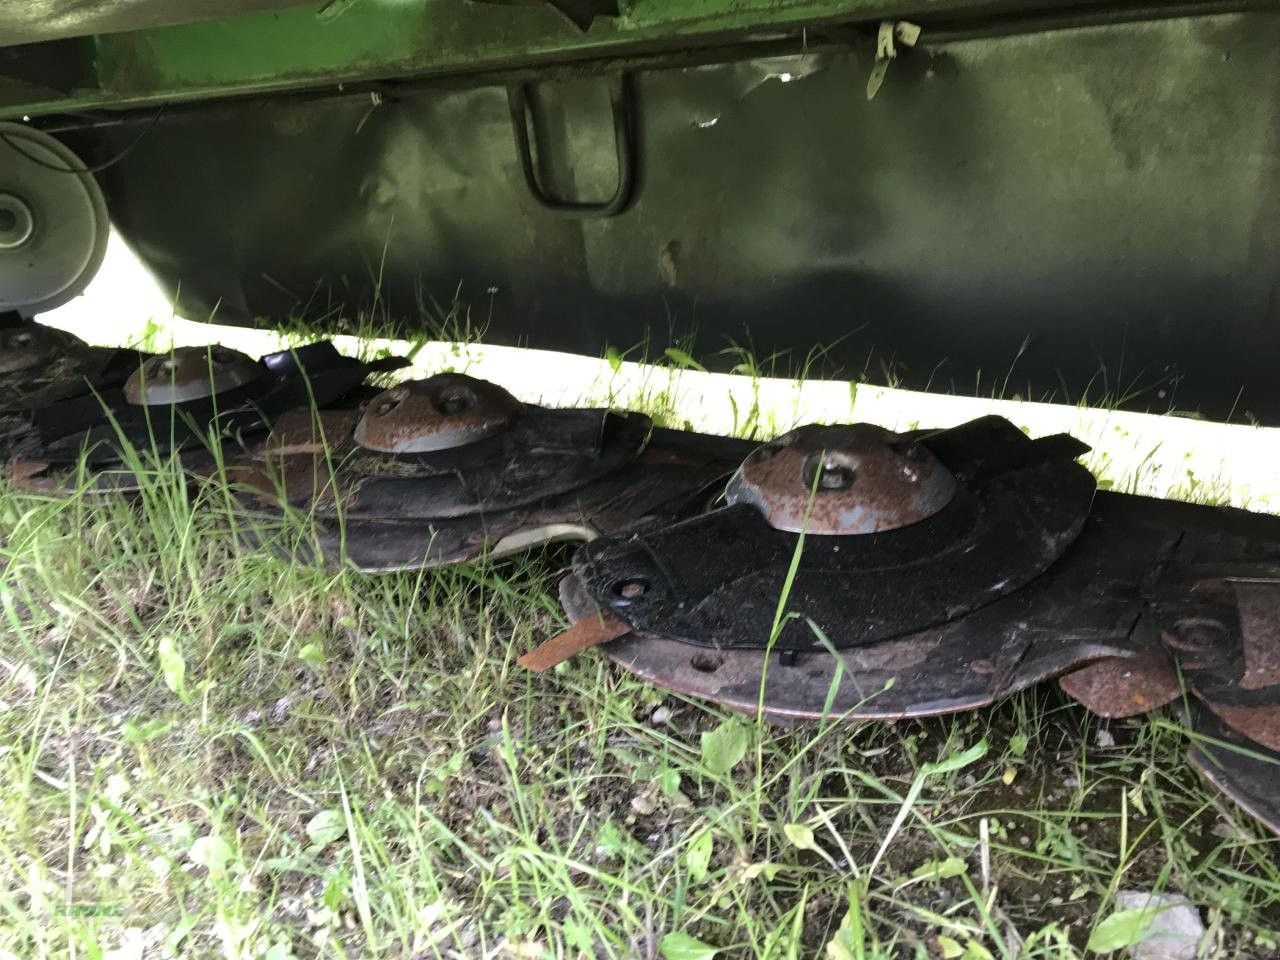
(53, 222)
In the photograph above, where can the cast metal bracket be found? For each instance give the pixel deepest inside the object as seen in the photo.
(624, 138)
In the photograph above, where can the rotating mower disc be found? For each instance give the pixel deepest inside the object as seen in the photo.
(53, 222)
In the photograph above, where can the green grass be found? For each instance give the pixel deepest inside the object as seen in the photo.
(206, 750)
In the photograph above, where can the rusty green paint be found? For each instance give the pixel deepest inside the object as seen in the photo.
(380, 39)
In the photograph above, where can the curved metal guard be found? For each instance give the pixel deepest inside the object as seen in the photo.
(620, 102)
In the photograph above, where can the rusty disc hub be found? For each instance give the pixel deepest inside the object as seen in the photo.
(190, 373)
(439, 413)
(842, 480)
(33, 345)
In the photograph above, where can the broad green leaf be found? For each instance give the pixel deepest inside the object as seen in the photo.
(800, 836)
(957, 761)
(849, 943)
(698, 857)
(669, 782)
(1123, 928)
(724, 746)
(280, 864)
(579, 935)
(973, 950)
(948, 949)
(609, 841)
(682, 359)
(1018, 744)
(172, 667)
(312, 653)
(763, 869)
(211, 852)
(681, 946)
(334, 891)
(326, 827)
(940, 869)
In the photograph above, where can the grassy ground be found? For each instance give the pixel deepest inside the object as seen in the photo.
(207, 751)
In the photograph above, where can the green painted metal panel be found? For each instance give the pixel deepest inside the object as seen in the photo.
(381, 39)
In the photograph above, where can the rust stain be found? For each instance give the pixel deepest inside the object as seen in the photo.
(310, 431)
(1259, 606)
(1260, 723)
(1124, 686)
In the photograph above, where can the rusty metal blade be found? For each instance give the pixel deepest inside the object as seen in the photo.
(1259, 606)
(1260, 723)
(1124, 686)
(310, 431)
(591, 631)
(1247, 774)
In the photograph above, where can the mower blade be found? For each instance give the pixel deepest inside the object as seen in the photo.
(1244, 771)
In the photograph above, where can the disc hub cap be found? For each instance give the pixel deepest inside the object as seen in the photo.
(441, 412)
(190, 373)
(842, 480)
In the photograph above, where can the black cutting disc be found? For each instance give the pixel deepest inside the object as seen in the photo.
(1105, 598)
(544, 452)
(43, 368)
(100, 423)
(676, 475)
(717, 580)
(76, 373)
(1086, 607)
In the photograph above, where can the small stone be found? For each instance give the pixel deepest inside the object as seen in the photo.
(645, 802)
(1175, 929)
(660, 716)
(1105, 738)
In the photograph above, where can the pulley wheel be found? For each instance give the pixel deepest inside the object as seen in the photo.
(53, 222)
